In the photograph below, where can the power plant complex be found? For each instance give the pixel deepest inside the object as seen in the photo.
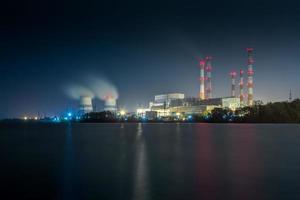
(177, 104)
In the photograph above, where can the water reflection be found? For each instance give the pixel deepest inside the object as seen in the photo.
(140, 186)
(206, 163)
(244, 168)
(68, 189)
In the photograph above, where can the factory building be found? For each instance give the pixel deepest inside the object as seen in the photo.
(162, 103)
(188, 106)
(165, 99)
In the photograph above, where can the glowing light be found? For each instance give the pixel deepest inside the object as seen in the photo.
(202, 62)
(178, 114)
(122, 112)
(25, 118)
(70, 114)
(35, 118)
(190, 117)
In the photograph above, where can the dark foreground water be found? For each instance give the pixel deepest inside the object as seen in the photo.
(149, 161)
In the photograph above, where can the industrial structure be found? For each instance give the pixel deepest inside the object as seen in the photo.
(250, 73)
(85, 105)
(233, 76)
(110, 103)
(208, 69)
(175, 104)
(165, 106)
(202, 79)
(241, 86)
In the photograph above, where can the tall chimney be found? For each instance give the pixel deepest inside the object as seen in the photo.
(233, 75)
(208, 69)
(242, 87)
(250, 76)
(202, 92)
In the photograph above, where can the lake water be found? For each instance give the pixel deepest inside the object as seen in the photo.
(150, 161)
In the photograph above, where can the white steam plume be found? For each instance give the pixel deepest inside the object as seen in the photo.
(76, 91)
(102, 88)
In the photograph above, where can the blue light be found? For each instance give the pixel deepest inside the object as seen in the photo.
(56, 119)
(70, 114)
(190, 117)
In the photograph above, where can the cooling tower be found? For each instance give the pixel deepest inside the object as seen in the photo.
(86, 105)
(110, 104)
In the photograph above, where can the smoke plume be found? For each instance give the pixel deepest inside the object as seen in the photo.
(100, 88)
(76, 91)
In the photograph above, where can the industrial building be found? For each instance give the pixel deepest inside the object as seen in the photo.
(189, 106)
(175, 104)
(165, 99)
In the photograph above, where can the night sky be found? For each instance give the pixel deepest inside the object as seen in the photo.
(143, 47)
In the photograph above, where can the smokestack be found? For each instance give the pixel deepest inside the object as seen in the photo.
(242, 87)
(208, 69)
(85, 104)
(290, 96)
(202, 92)
(250, 76)
(233, 75)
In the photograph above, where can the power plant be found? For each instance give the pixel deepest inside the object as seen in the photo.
(175, 104)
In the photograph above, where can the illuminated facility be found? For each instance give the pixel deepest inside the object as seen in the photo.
(175, 104)
(189, 106)
(172, 104)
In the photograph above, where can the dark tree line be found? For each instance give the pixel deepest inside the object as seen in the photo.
(278, 112)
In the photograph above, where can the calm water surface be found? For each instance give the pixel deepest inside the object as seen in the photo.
(150, 161)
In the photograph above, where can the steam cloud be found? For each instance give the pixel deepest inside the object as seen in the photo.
(94, 87)
(76, 91)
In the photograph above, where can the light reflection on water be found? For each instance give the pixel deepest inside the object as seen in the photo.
(68, 189)
(152, 161)
(206, 162)
(245, 168)
(141, 171)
